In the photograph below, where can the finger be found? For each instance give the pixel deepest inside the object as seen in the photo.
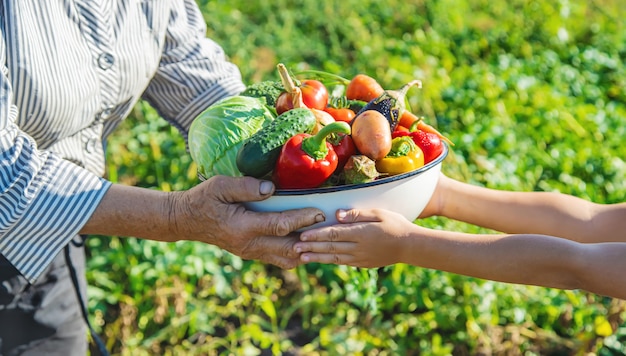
(329, 247)
(358, 215)
(240, 189)
(276, 250)
(345, 233)
(334, 258)
(283, 223)
(277, 246)
(283, 262)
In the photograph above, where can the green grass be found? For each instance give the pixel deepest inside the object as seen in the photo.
(532, 93)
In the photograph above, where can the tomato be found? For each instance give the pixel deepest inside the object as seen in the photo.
(341, 114)
(429, 142)
(314, 96)
(363, 87)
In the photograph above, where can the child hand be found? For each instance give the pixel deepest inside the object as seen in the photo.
(364, 238)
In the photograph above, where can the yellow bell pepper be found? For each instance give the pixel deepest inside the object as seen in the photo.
(405, 156)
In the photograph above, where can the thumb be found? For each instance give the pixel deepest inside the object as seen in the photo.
(240, 189)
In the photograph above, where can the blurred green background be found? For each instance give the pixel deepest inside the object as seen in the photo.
(533, 93)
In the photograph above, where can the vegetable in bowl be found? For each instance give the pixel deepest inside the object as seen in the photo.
(217, 134)
(406, 193)
(243, 135)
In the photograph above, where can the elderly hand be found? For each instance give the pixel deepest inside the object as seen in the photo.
(213, 212)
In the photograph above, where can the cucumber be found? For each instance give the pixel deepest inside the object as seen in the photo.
(270, 90)
(258, 155)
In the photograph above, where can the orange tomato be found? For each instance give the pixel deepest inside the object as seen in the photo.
(363, 87)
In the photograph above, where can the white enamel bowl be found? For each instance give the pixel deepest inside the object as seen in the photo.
(406, 193)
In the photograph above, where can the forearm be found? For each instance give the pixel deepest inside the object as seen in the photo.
(534, 212)
(524, 259)
(210, 212)
(132, 211)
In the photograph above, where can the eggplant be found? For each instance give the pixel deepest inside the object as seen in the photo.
(390, 103)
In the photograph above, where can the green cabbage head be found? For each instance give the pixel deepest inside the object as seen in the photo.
(217, 133)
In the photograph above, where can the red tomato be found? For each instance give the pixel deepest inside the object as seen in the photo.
(429, 142)
(341, 114)
(314, 96)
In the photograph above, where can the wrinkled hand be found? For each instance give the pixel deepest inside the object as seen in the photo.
(213, 212)
(364, 238)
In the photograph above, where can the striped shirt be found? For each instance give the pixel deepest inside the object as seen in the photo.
(71, 71)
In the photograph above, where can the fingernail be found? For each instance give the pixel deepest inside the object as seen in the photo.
(303, 237)
(298, 250)
(266, 187)
(320, 218)
(304, 258)
(341, 214)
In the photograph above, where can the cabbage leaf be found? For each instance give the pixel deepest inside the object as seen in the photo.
(217, 133)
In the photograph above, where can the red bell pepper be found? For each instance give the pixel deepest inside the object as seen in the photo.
(344, 147)
(430, 143)
(307, 161)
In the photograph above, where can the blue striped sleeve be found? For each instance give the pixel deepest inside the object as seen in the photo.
(44, 200)
(194, 71)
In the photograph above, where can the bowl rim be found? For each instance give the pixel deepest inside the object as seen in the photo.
(347, 187)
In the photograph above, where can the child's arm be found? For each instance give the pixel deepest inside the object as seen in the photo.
(374, 238)
(562, 241)
(529, 212)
